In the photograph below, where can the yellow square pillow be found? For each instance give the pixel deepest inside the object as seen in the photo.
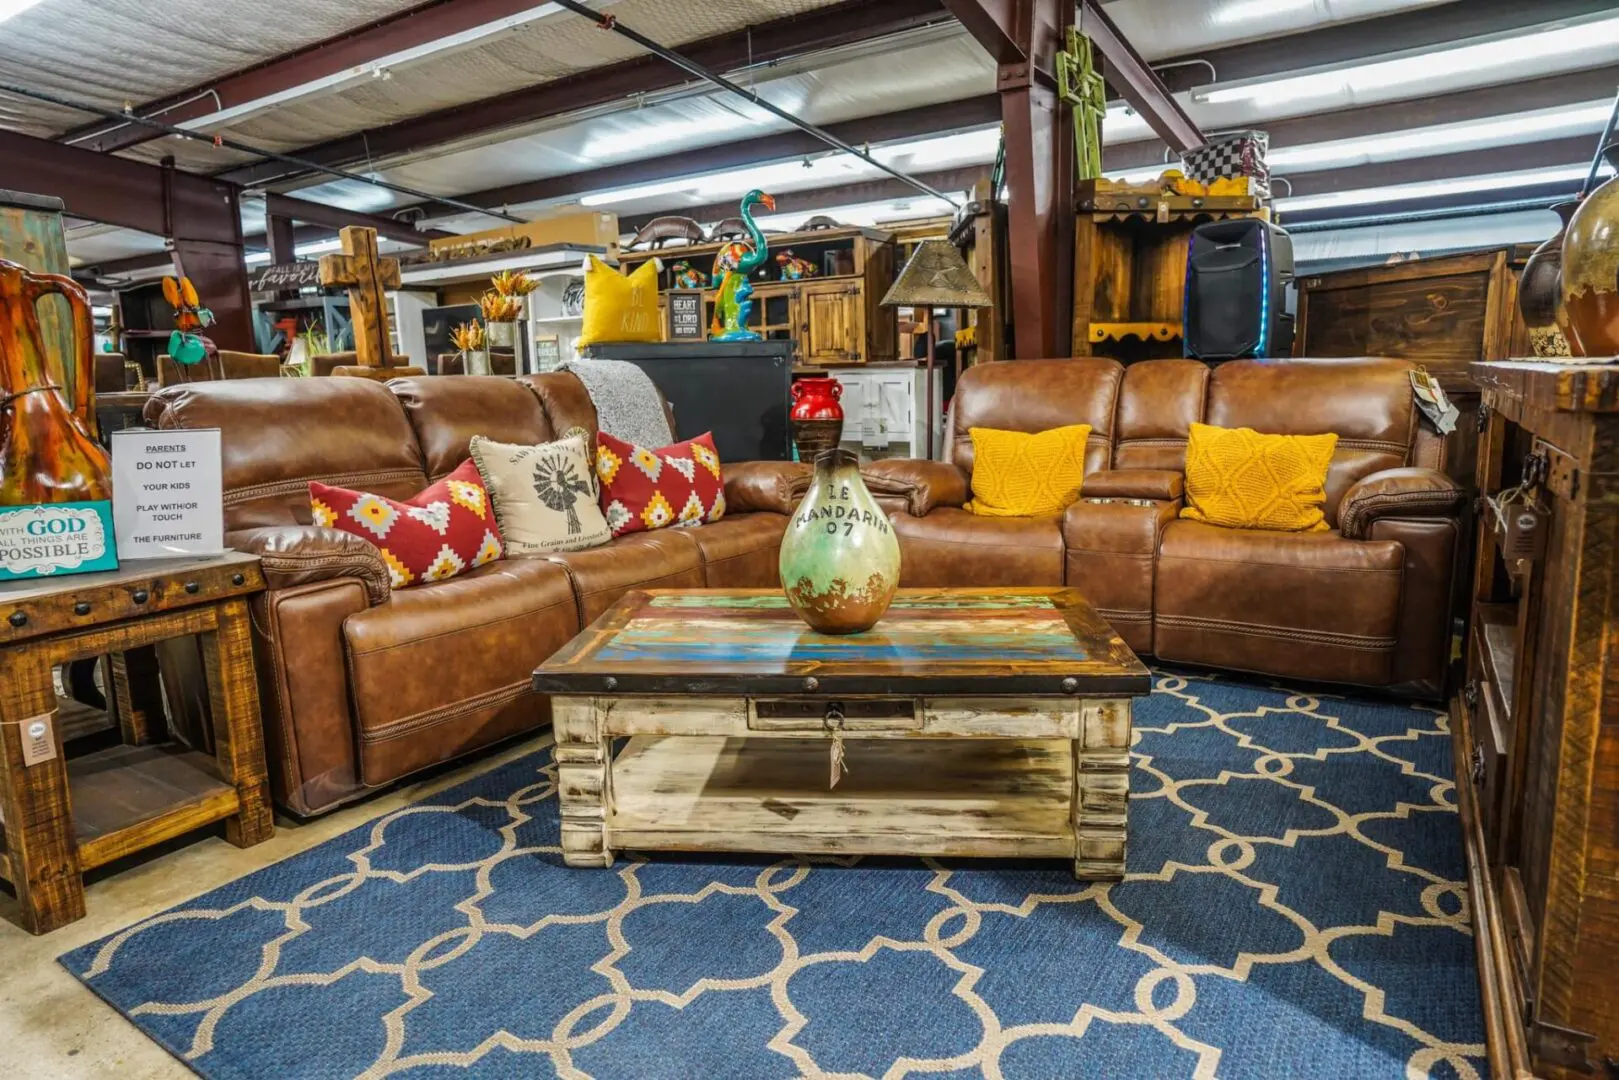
(620, 308)
(1241, 479)
(1016, 474)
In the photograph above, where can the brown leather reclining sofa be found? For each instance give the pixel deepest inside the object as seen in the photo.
(361, 684)
(1365, 603)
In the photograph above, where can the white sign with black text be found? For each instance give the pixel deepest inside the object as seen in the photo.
(167, 493)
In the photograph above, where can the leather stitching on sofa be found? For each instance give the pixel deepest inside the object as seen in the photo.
(1366, 642)
(238, 496)
(500, 696)
(377, 584)
(1285, 565)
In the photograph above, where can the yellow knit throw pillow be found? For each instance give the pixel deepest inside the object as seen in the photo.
(1241, 479)
(1016, 474)
(619, 308)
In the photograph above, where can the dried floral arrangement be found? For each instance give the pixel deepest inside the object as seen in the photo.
(498, 308)
(467, 337)
(507, 283)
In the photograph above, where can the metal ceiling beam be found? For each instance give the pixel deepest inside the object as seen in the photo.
(814, 199)
(1483, 103)
(357, 52)
(334, 218)
(1137, 82)
(823, 28)
(907, 123)
(994, 25)
(1351, 42)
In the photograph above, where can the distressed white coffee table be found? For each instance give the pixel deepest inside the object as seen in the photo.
(969, 722)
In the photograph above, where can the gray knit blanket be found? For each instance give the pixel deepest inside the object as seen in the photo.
(628, 405)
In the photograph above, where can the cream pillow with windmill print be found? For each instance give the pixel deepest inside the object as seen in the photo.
(544, 496)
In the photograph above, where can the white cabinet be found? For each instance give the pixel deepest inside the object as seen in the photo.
(883, 410)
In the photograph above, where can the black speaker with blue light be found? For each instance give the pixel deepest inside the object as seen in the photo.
(1237, 274)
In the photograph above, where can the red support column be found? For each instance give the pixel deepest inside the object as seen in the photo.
(1024, 36)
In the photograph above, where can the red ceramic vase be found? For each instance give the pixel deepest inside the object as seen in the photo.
(816, 416)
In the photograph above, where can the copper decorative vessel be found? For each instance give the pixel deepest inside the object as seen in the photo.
(47, 451)
(1591, 270)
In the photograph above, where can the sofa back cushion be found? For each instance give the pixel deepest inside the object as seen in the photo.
(1367, 403)
(1159, 401)
(276, 435)
(566, 403)
(1035, 396)
(446, 411)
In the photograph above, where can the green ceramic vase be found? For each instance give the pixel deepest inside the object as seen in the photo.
(840, 557)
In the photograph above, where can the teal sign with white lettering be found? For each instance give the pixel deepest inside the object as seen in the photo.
(57, 538)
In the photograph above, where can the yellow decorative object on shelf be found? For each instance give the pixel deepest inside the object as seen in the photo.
(1241, 479)
(620, 308)
(1016, 474)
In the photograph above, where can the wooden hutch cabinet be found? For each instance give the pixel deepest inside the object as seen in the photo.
(1131, 244)
(1536, 724)
(834, 317)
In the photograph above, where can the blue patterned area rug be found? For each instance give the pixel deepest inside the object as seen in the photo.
(1294, 904)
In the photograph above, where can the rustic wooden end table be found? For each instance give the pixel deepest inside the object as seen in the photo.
(989, 722)
(60, 817)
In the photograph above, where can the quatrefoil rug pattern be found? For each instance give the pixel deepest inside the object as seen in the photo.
(1294, 905)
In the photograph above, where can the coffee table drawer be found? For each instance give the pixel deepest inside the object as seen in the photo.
(866, 718)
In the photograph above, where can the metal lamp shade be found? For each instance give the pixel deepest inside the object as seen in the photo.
(937, 276)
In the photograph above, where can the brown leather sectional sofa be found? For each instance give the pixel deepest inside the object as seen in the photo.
(1366, 603)
(361, 684)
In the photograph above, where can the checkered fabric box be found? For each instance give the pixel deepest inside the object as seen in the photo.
(1239, 154)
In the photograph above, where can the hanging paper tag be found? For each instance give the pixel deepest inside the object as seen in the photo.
(1433, 401)
(38, 740)
(839, 766)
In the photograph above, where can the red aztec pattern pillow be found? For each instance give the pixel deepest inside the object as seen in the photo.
(645, 489)
(445, 530)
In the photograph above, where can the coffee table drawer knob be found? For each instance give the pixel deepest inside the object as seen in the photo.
(812, 684)
(1070, 685)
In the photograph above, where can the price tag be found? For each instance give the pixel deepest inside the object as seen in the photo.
(38, 739)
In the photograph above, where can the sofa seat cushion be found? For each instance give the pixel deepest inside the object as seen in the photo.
(1112, 548)
(952, 547)
(1304, 605)
(665, 559)
(741, 551)
(444, 668)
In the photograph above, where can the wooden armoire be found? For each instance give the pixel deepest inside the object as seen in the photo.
(1536, 722)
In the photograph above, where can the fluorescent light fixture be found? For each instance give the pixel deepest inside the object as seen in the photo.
(8, 8)
(1426, 142)
(644, 136)
(1419, 67)
(319, 247)
(976, 145)
(1249, 10)
(1432, 188)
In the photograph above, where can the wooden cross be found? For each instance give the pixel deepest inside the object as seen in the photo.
(368, 277)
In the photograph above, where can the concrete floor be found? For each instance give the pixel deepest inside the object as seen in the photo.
(52, 1027)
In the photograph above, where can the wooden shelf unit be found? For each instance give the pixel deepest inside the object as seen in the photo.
(832, 318)
(1130, 253)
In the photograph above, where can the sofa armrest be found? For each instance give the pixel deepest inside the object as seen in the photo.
(923, 484)
(301, 554)
(1397, 493)
(771, 486)
(1165, 485)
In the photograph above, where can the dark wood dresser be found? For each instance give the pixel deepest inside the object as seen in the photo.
(1537, 719)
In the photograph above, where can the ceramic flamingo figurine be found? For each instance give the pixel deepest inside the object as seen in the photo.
(732, 265)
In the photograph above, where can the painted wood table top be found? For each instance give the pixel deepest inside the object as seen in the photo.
(981, 642)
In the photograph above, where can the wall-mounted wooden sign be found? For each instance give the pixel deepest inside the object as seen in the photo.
(685, 314)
